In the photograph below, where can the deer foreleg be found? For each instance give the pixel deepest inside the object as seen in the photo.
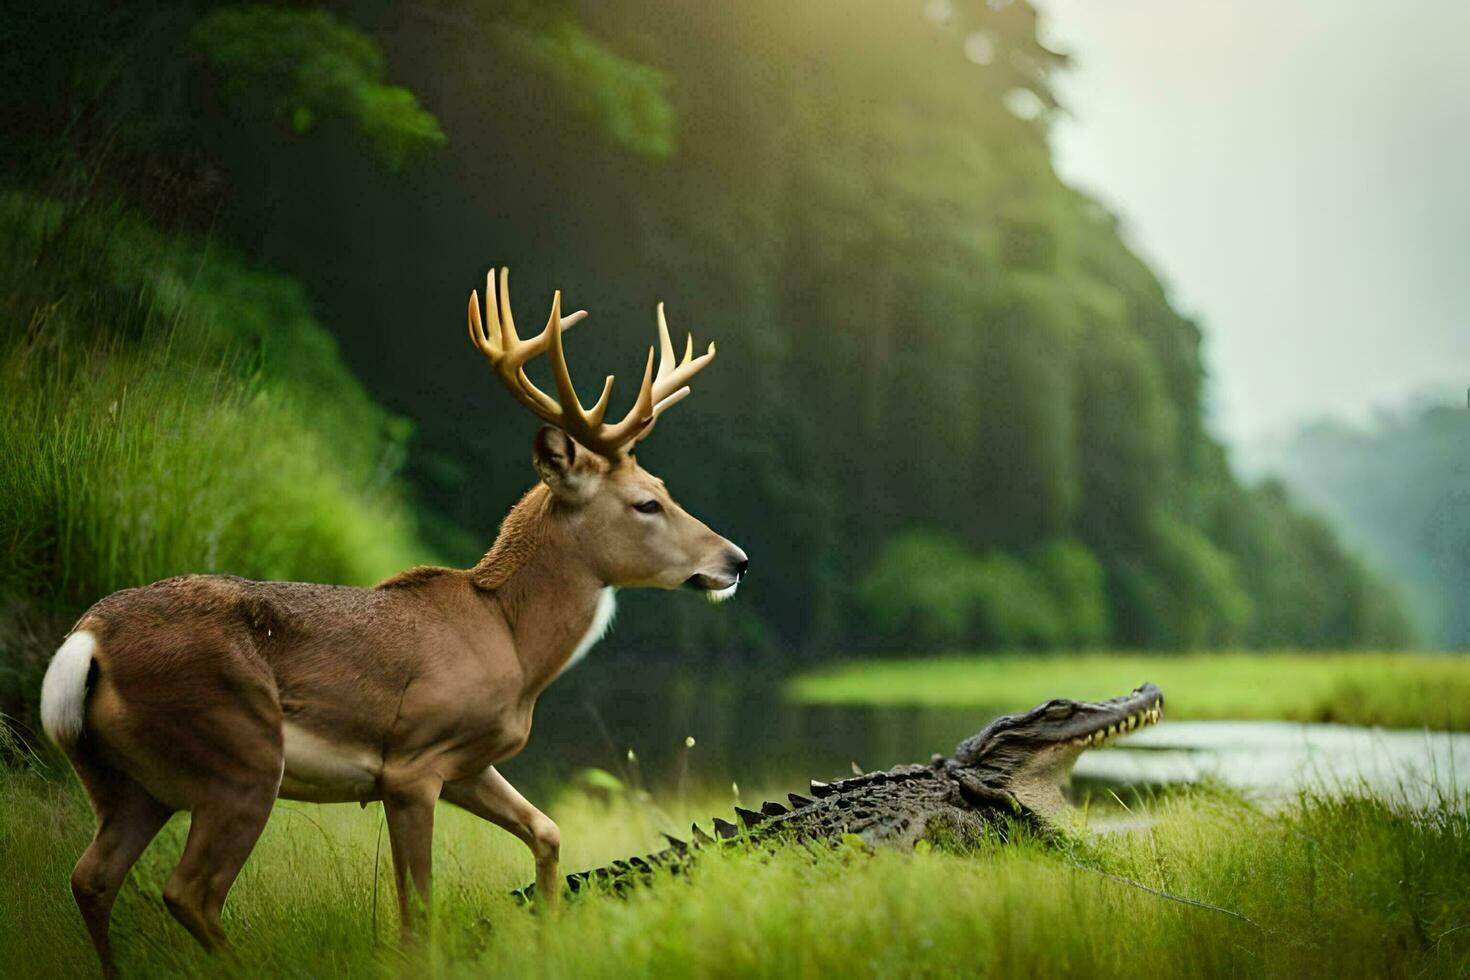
(490, 797)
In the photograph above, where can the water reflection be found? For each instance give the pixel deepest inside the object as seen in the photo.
(1272, 759)
(745, 732)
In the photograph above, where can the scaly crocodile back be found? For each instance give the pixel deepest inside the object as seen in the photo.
(892, 808)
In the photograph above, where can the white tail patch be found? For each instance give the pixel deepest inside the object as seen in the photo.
(64, 690)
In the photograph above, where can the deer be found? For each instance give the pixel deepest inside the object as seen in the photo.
(218, 695)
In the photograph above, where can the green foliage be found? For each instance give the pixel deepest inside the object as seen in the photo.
(1078, 582)
(915, 587)
(1400, 490)
(928, 590)
(1182, 590)
(1355, 887)
(1285, 558)
(630, 101)
(1397, 690)
(920, 325)
(124, 468)
(297, 66)
(171, 410)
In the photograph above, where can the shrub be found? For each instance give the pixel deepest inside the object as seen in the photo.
(926, 590)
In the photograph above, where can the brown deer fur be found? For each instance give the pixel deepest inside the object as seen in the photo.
(216, 695)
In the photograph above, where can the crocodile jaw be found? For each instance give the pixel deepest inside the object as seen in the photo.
(1038, 782)
(1030, 756)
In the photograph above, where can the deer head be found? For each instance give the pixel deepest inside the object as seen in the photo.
(628, 527)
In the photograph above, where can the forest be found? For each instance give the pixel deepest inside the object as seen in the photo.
(1399, 487)
(952, 408)
(961, 429)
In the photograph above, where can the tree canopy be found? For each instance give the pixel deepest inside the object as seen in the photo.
(951, 405)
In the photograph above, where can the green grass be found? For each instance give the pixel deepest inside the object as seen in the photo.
(1398, 690)
(1334, 887)
(170, 409)
(126, 466)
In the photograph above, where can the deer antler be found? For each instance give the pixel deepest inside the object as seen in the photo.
(508, 354)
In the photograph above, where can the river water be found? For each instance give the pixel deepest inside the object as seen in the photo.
(745, 732)
(1274, 758)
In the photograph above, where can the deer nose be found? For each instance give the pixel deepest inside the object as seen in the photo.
(740, 565)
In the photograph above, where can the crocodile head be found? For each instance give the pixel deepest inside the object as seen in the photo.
(1026, 759)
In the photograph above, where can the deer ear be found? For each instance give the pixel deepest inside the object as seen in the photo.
(562, 464)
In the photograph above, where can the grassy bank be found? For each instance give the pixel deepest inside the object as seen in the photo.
(1353, 887)
(170, 408)
(1399, 690)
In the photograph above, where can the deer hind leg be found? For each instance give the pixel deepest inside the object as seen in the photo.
(491, 797)
(128, 818)
(231, 777)
(222, 831)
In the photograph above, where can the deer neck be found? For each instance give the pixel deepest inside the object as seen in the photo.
(555, 605)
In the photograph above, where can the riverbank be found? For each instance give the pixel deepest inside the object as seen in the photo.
(1393, 690)
(1327, 887)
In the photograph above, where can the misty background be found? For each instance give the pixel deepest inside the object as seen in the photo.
(1295, 171)
(1299, 184)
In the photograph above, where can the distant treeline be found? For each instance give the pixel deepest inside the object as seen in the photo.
(951, 407)
(1399, 488)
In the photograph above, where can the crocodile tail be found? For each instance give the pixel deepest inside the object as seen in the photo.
(621, 875)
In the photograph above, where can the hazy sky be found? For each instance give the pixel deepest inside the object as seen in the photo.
(1298, 171)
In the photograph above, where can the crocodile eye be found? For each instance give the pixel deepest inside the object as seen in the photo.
(1059, 710)
(648, 507)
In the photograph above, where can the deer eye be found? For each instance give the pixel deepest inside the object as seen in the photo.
(648, 507)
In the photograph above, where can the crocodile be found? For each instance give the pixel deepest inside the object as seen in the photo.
(1013, 770)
